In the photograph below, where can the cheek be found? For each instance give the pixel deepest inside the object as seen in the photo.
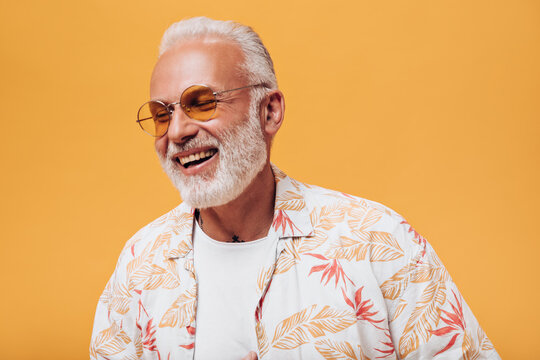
(161, 146)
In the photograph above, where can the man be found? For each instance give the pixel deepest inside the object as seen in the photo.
(255, 264)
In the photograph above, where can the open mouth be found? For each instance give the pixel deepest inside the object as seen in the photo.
(196, 158)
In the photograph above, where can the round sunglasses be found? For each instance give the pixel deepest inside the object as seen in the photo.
(198, 102)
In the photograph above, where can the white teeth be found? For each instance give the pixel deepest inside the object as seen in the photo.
(194, 157)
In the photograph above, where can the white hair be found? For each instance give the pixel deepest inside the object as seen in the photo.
(258, 66)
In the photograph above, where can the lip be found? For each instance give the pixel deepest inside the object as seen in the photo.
(195, 169)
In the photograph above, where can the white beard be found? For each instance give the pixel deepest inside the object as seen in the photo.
(242, 156)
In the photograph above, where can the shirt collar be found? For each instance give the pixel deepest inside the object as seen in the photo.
(291, 216)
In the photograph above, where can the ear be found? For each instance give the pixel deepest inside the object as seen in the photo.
(273, 110)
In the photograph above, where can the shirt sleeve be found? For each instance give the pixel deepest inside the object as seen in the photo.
(115, 334)
(428, 316)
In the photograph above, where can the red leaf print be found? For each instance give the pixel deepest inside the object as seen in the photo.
(442, 331)
(456, 322)
(452, 341)
(332, 269)
(283, 220)
(362, 308)
(389, 344)
(149, 338)
(189, 347)
(190, 330)
(148, 334)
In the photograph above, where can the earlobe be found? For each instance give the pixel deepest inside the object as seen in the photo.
(274, 110)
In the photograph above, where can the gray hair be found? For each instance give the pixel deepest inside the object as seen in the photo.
(258, 66)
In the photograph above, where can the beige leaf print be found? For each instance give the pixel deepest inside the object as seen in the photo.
(183, 248)
(336, 350)
(182, 311)
(290, 200)
(394, 287)
(278, 174)
(182, 222)
(328, 217)
(310, 243)
(347, 248)
(120, 299)
(262, 339)
(324, 220)
(362, 218)
(381, 246)
(423, 319)
(485, 343)
(307, 324)
(146, 254)
(110, 341)
(468, 349)
(160, 277)
(471, 349)
(430, 270)
(263, 277)
(288, 257)
(399, 309)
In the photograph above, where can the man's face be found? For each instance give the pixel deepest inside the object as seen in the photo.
(223, 154)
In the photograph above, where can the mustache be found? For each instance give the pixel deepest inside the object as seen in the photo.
(193, 143)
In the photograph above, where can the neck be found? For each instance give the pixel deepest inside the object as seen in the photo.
(246, 218)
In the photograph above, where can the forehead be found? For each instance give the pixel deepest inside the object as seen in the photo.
(213, 62)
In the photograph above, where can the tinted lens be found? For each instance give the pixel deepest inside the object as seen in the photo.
(198, 102)
(154, 118)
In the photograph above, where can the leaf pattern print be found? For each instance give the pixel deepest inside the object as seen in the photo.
(399, 309)
(146, 255)
(416, 236)
(429, 268)
(120, 298)
(455, 322)
(152, 276)
(290, 200)
(182, 311)
(339, 350)
(283, 221)
(365, 278)
(307, 324)
(182, 249)
(146, 336)
(288, 257)
(362, 308)
(424, 317)
(362, 217)
(332, 269)
(181, 222)
(324, 220)
(263, 278)
(380, 246)
(394, 287)
(110, 341)
(262, 339)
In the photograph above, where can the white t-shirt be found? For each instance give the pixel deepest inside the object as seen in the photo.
(227, 295)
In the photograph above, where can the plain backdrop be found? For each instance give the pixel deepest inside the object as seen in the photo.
(429, 107)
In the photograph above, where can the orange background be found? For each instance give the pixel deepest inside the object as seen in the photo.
(430, 107)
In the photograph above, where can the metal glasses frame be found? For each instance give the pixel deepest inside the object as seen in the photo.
(170, 107)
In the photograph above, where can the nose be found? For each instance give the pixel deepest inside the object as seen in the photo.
(181, 127)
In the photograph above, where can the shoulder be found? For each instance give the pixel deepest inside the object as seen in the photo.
(362, 220)
(356, 208)
(156, 234)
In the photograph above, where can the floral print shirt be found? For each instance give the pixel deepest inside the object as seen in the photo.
(350, 279)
